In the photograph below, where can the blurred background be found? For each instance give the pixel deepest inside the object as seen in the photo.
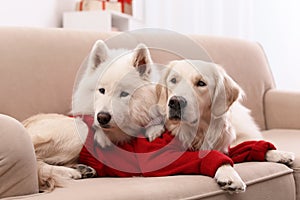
(275, 24)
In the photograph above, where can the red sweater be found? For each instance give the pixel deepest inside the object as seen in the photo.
(250, 151)
(161, 157)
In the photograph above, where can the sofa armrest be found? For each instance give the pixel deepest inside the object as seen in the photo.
(18, 171)
(282, 109)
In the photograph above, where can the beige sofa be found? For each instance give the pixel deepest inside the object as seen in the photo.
(37, 72)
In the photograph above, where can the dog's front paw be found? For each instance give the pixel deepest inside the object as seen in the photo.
(154, 132)
(65, 172)
(229, 180)
(85, 171)
(101, 139)
(284, 157)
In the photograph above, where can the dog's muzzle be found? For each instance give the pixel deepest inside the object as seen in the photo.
(176, 107)
(103, 118)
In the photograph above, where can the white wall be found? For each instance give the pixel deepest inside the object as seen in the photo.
(273, 23)
(34, 13)
(277, 27)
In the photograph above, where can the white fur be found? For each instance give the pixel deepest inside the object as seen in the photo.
(229, 180)
(128, 113)
(243, 124)
(83, 99)
(280, 157)
(58, 139)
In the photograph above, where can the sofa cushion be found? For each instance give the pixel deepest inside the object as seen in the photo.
(287, 140)
(282, 109)
(264, 181)
(17, 172)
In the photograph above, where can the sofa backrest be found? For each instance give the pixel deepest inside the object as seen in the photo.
(38, 67)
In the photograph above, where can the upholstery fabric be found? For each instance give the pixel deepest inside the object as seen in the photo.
(261, 179)
(287, 140)
(40, 64)
(18, 172)
(282, 109)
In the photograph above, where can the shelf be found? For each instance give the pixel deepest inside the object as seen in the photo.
(97, 20)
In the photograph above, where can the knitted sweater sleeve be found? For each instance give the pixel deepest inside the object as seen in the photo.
(200, 163)
(250, 151)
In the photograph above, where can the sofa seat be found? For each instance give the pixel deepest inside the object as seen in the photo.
(260, 178)
(287, 140)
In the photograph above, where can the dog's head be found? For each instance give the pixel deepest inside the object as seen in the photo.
(195, 94)
(120, 106)
(98, 60)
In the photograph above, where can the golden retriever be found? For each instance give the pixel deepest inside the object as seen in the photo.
(201, 104)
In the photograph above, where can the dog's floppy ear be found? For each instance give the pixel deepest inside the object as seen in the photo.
(162, 91)
(227, 91)
(162, 94)
(142, 60)
(98, 54)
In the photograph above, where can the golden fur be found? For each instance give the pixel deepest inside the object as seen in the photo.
(56, 142)
(211, 116)
(205, 121)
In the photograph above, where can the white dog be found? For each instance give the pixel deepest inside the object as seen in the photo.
(113, 90)
(201, 105)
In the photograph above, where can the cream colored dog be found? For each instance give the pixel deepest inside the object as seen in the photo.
(201, 106)
(112, 89)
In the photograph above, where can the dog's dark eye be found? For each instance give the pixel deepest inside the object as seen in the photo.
(124, 94)
(201, 84)
(102, 90)
(173, 80)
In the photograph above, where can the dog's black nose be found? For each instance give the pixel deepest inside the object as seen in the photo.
(177, 102)
(103, 118)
